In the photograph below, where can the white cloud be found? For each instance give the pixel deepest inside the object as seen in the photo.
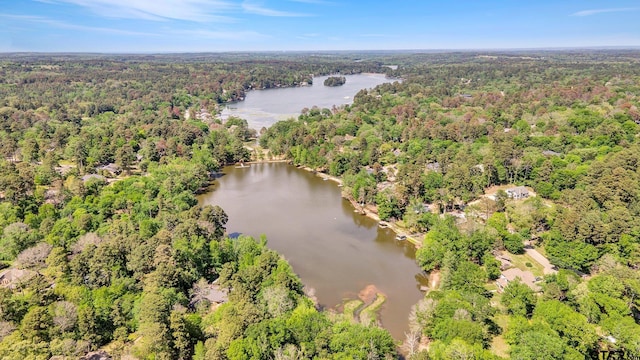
(220, 35)
(600, 11)
(316, 2)
(156, 10)
(65, 25)
(257, 9)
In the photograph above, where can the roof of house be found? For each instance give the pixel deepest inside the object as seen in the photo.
(111, 167)
(434, 166)
(518, 190)
(10, 277)
(550, 153)
(212, 292)
(93, 176)
(97, 355)
(217, 294)
(526, 277)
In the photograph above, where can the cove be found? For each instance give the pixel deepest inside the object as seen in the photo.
(334, 250)
(263, 108)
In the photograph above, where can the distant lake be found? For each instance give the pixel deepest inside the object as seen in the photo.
(263, 108)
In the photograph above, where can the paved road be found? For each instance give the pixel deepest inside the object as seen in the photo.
(548, 268)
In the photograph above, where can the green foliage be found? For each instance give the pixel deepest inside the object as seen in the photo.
(335, 81)
(388, 206)
(491, 266)
(519, 299)
(15, 238)
(571, 326)
(458, 349)
(450, 315)
(572, 255)
(354, 341)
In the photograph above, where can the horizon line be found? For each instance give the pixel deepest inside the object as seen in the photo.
(179, 52)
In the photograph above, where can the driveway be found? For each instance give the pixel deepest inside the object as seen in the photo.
(548, 268)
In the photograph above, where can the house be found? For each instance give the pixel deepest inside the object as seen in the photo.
(512, 274)
(478, 167)
(211, 292)
(12, 277)
(97, 355)
(550, 153)
(97, 177)
(434, 166)
(204, 115)
(217, 295)
(505, 263)
(518, 192)
(111, 168)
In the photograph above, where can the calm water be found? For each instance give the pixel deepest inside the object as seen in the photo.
(262, 108)
(334, 250)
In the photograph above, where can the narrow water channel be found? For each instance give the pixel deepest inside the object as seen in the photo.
(333, 250)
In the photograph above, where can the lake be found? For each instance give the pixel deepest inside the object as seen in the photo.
(333, 250)
(262, 108)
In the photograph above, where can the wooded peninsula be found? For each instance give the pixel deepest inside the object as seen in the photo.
(517, 173)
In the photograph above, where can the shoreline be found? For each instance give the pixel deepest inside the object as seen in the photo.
(366, 211)
(300, 85)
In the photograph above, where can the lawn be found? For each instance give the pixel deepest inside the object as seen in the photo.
(498, 345)
(527, 263)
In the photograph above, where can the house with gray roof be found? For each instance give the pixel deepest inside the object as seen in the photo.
(518, 192)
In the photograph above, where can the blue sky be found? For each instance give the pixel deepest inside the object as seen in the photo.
(255, 25)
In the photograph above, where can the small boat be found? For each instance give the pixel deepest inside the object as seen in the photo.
(383, 224)
(401, 237)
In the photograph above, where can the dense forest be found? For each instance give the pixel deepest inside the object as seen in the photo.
(106, 248)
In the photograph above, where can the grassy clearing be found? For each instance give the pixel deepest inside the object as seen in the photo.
(350, 309)
(527, 263)
(496, 302)
(369, 315)
(66, 163)
(491, 286)
(498, 345)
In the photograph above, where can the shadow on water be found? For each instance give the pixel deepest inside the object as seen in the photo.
(217, 175)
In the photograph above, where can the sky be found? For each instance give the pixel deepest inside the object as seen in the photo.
(161, 26)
